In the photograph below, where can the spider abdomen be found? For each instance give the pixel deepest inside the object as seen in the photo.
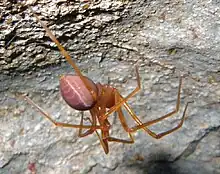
(75, 93)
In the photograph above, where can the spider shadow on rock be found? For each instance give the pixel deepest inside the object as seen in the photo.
(161, 162)
(154, 163)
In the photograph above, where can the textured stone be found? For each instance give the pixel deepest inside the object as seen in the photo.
(106, 38)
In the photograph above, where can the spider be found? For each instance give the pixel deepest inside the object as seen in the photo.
(101, 100)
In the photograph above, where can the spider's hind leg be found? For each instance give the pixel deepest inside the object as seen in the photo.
(142, 125)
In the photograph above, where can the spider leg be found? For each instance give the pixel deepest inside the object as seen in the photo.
(54, 39)
(58, 124)
(130, 111)
(134, 92)
(160, 135)
(120, 114)
(112, 139)
(144, 125)
(105, 135)
(118, 97)
(65, 54)
(93, 122)
(103, 142)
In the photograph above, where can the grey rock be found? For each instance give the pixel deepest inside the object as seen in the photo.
(106, 39)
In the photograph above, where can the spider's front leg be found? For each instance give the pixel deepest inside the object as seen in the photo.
(121, 102)
(58, 124)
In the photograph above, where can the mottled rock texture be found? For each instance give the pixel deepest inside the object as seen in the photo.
(106, 38)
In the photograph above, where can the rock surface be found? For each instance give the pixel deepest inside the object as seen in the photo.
(106, 38)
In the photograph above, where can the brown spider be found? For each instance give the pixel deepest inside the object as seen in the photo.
(82, 94)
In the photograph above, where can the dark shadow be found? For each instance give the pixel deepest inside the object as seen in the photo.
(162, 163)
(155, 163)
